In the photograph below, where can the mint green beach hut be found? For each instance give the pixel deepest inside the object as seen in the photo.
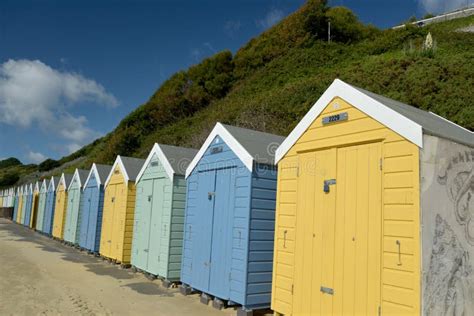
(41, 204)
(73, 206)
(159, 212)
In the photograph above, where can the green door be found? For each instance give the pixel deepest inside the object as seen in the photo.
(142, 224)
(157, 259)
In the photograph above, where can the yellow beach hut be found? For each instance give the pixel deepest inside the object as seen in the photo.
(364, 184)
(34, 206)
(61, 205)
(119, 208)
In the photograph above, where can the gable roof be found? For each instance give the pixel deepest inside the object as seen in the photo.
(129, 166)
(53, 183)
(44, 185)
(80, 175)
(65, 180)
(405, 120)
(174, 159)
(36, 187)
(248, 145)
(100, 173)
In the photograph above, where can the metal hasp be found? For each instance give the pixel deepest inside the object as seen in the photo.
(327, 290)
(210, 195)
(327, 183)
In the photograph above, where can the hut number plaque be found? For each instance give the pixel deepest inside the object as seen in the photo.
(335, 118)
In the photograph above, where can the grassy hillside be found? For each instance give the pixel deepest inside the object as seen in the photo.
(272, 81)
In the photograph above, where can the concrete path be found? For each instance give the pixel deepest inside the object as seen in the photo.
(40, 276)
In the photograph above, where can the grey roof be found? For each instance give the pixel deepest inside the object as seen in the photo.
(132, 166)
(261, 146)
(431, 123)
(83, 175)
(103, 171)
(67, 179)
(178, 157)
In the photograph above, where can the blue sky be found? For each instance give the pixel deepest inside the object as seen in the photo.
(71, 70)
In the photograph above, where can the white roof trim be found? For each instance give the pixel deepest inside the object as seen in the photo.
(156, 150)
(378, 111)
(43, 187)
(37, 187)
(118, 162)
(96, 174)
(63, 181)
(51, 183)
(234, 145)
(452, 123)
(76, 174)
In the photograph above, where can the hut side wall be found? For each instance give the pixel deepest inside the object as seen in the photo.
(177, 228)
(447, 203)
(261, 236)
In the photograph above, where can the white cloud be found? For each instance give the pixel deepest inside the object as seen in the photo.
(36, 157)
(442, 6)
(272, 17)
(33, 93)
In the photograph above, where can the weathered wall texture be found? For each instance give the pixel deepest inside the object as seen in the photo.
(447, 203)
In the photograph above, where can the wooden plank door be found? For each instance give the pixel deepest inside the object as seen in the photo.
(314, 233)
(142, 225)
(155, 259)
(357, 282)
(202, 230)
(222, 230)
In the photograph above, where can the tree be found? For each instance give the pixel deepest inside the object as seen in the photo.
(48, 164)
(345, 27)
(10, 162)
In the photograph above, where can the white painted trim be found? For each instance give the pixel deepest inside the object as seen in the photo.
(96, 174)
(31, 189)
(378, 111)
(63, 181)
(76, 174)
(156, 150)
(37, 187)
(51, 183)
(452, 123)
(234, 145)
(118, 162)
(44, 187)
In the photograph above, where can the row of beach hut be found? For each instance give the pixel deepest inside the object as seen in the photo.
(330, 220)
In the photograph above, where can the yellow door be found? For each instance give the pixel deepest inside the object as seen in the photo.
(59, 213)
(107, 221)
(118, 219)
(338, 236)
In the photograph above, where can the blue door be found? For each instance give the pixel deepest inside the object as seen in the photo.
(49, 213)
(212, 244)
(222, 228)
(203, 230)
(85, 213)
(95, 218)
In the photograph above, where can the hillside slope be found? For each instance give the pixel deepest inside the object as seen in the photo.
(272, 81)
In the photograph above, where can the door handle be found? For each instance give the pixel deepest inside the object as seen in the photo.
(284, 238)
(327, 183)
(149, 198)
(399, 244)
(210, 195)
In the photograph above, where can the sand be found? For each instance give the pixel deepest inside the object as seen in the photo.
(41, 276)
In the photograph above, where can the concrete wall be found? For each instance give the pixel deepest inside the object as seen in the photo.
(447, 203)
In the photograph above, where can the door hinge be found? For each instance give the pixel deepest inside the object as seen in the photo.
(297, 171)
(292, 288)
(381, 164)
(380, 311)
(229, 276)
